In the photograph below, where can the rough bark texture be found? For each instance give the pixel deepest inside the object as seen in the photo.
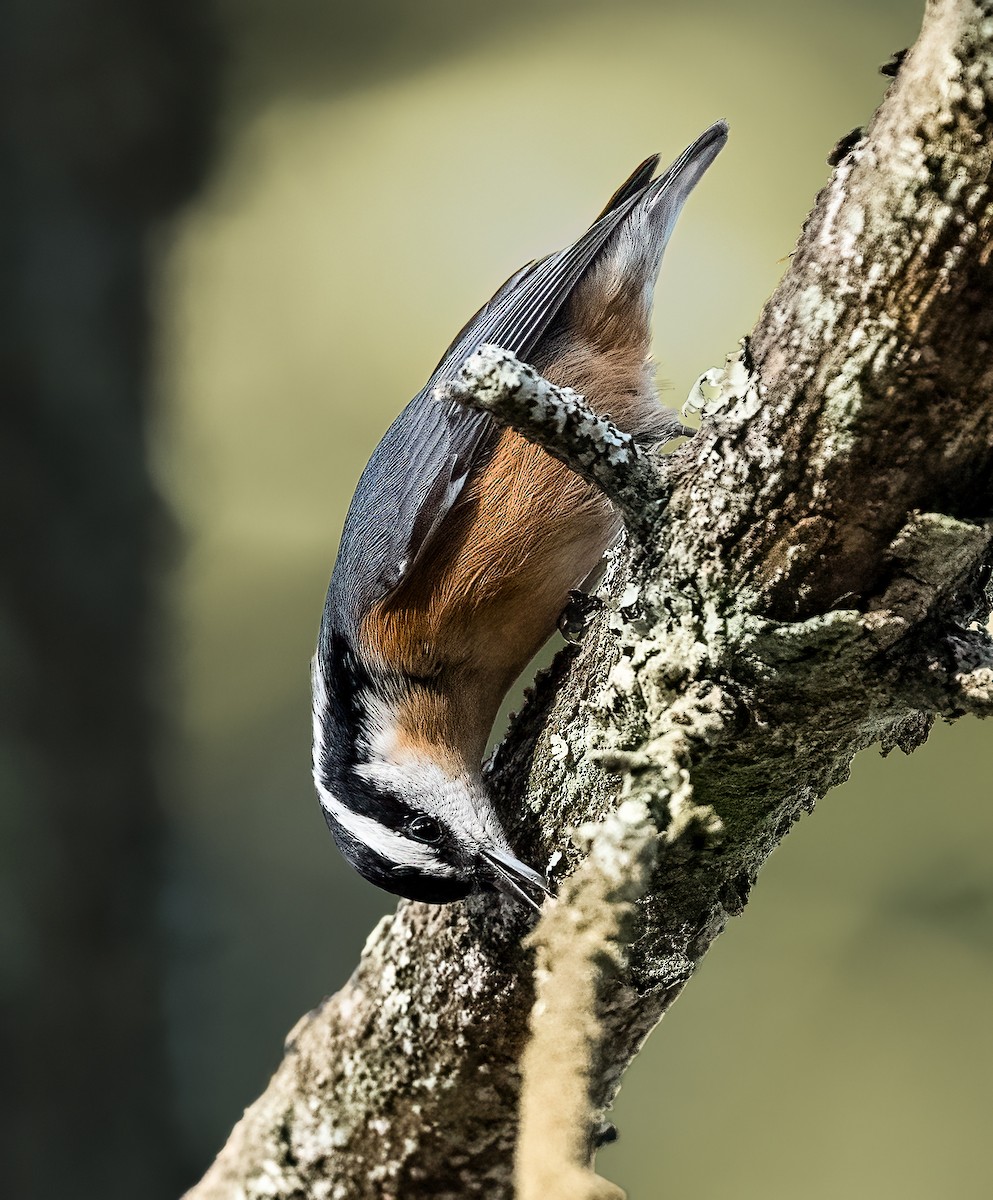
(102, 133)
(817, 584)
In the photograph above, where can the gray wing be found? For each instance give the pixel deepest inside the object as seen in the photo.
(418, 470)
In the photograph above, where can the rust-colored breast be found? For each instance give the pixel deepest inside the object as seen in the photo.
(487, 592)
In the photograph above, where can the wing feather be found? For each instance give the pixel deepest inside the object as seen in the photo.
(418, 470)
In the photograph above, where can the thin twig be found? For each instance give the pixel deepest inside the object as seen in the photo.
(558, 419)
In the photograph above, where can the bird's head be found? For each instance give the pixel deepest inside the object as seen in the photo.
(419, 831)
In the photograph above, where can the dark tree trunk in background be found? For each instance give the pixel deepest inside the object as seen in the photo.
(102, 134)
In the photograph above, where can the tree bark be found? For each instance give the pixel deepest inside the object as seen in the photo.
(817, 582)
(103, 132)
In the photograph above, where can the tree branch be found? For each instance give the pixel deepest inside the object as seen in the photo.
(495, 381)
(581, 945)
(825, 533)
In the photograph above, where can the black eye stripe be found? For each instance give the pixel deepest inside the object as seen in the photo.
(424, 829)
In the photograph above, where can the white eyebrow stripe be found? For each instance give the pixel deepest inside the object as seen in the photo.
(319, 690)
(395, 847)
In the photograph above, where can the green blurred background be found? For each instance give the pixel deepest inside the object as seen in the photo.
(376, 172)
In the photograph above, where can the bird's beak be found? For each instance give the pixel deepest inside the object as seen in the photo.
(515, 879)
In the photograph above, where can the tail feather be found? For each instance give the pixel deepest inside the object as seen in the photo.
(612, 304)
(639, 178)
(665, 196)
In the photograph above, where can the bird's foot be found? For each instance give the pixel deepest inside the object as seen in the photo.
(575, 617)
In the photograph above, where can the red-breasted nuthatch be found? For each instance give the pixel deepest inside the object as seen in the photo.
(459, 551)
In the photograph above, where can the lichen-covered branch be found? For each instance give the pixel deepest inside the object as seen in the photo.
(581, 944)
(495, 381)
(818, 583)
(957, 673)
(975, 693)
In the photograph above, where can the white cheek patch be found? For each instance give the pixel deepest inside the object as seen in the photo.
(379, 726)
(430, 789)
(387, 843)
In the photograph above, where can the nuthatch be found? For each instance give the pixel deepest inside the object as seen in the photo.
(460, 548)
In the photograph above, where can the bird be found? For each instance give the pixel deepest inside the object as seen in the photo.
(459, 551)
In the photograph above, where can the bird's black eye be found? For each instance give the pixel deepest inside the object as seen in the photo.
(425, 829)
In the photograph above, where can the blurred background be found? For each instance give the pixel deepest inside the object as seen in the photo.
(235, 242)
